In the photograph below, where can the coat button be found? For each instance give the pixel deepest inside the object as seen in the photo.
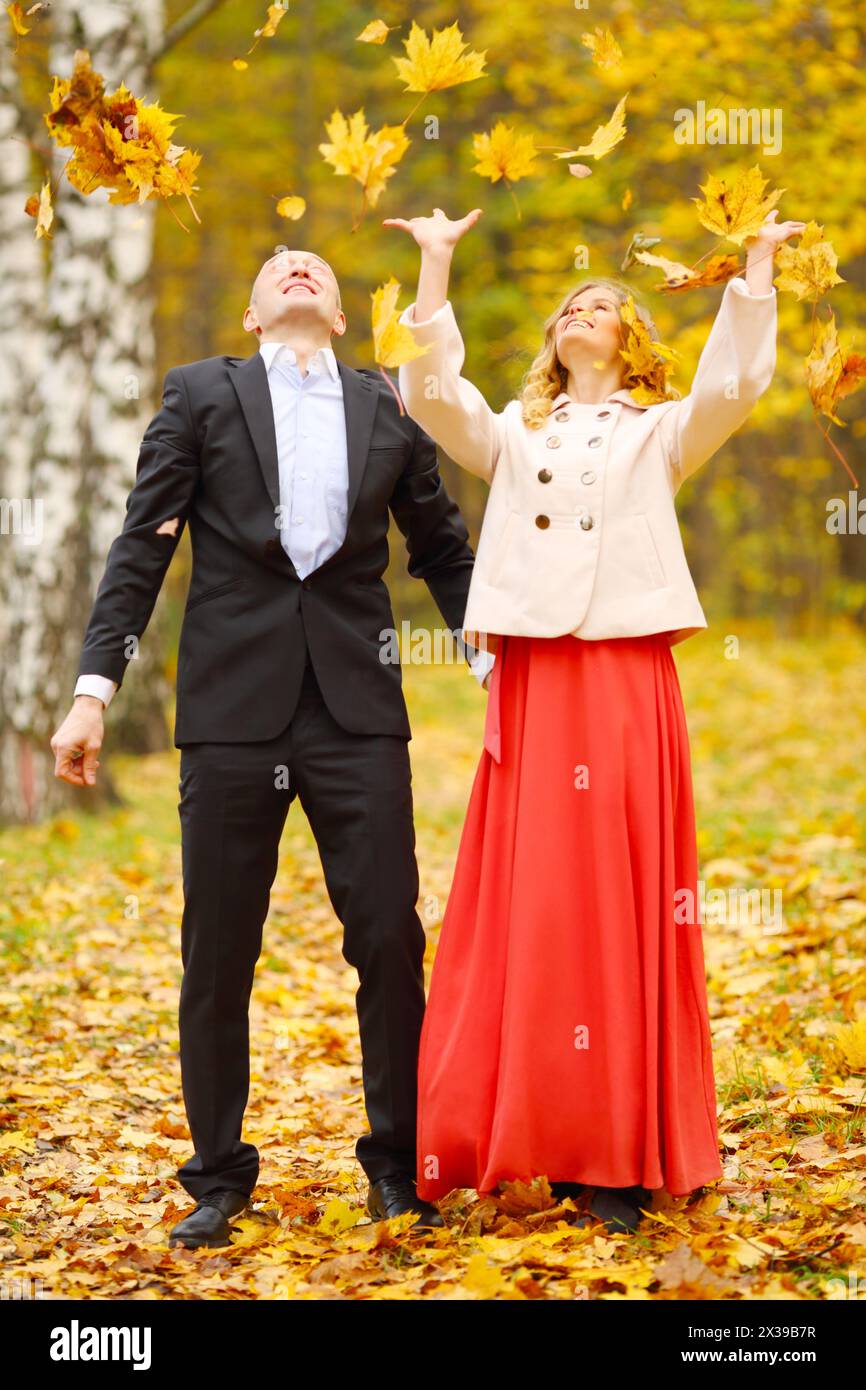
(542, 521)
(595, 441)
(587, 478)
(306, 583)
(603, 415)
(544, 475)
(586, 523)
(561, 415)
(272, 547)
(553, 441)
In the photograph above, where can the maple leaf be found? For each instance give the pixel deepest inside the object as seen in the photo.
(368, 156)
(606, 52)
(736, 210)
(393, 342)
(809, 269)
(376, 31)
(830, 372)
(440, 62)
(276, 13)
(41, 208)
(604, 137)
(646, 362)
(16, 19)
(292, 207)
(503, 154)
(717, 270)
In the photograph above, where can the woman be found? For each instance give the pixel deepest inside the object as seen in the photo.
(567, 1029)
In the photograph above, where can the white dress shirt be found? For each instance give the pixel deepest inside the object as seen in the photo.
(312, 454)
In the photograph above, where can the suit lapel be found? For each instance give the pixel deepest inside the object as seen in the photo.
(250, 379)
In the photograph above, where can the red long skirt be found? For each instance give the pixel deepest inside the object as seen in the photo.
(567, 1029)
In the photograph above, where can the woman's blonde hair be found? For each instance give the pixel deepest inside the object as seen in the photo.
(547, 377)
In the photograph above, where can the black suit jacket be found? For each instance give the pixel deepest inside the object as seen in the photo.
(208, 460)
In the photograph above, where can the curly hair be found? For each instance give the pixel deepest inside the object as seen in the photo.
(546, 377)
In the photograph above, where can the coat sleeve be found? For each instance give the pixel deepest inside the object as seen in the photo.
(734, 369)
(444, 403)
(156, 512)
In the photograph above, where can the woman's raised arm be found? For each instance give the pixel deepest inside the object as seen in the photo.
(438, 398)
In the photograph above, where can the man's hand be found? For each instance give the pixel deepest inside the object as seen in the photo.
(77, 742)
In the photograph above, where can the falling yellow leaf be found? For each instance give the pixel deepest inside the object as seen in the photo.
(376, 32)
(736, 210)
(580, 171)
(276, 13)
(680, 277)
(503, 154)
(368, 156)
(606, 52)
(831, 373)
(605, 136)
(41, 208)
(16, 19)
(292, 207)
(393, 342)
(240, 63)
(437, 63)
(627, 199)
(808, 270)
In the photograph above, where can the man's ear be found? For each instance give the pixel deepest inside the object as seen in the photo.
(339, 325)
(250, 321)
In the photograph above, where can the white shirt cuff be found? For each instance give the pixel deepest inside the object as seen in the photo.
(481, 664)
(100, 686)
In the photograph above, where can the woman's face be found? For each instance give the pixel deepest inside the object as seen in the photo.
(589, 327)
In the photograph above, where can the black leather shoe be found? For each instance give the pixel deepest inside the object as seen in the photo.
(561, 1190)
(619, 1207)
(396, 1193)
(208, 1222)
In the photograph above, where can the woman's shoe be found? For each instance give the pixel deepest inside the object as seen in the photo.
(561, 1190)
(619, 1207)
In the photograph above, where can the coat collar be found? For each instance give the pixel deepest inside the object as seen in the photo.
(621, 395)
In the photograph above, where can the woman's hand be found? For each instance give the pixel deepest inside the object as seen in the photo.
(762, 247)
(771, 234)
(438, 233)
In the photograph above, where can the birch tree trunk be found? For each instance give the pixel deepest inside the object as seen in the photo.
(75, 407)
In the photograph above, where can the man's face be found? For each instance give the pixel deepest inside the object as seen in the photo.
(294, 289)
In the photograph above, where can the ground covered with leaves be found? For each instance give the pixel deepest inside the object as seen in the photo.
(93, 1125)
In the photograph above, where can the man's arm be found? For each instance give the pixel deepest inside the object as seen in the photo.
(436, 538)
(156, 512)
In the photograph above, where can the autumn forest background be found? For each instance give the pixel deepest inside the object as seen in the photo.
(93, 1123)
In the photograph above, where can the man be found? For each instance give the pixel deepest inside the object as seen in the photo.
(281, 692)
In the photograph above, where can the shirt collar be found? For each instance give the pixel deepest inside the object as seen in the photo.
(271, 351)
(623, 394)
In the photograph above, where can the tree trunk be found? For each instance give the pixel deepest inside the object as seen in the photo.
(77, 418)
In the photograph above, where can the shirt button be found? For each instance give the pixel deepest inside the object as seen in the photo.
(298, 521)
(586, 523)
(587, 478)
(553, 441)
(603, 415)
(561, 415)
(595, 441)
(542, 521)
(544, 475)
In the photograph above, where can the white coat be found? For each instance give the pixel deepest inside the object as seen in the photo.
(580, 533)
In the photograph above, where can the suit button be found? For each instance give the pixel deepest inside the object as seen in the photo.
(586, 523)
(553, 441)
(306, 583)
(561, 415)
(542, 521)
(544, 475)
(603, 415)
(595, 441)
(587, 478)
(272, 547)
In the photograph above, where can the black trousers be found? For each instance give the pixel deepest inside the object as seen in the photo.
(356, 792)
